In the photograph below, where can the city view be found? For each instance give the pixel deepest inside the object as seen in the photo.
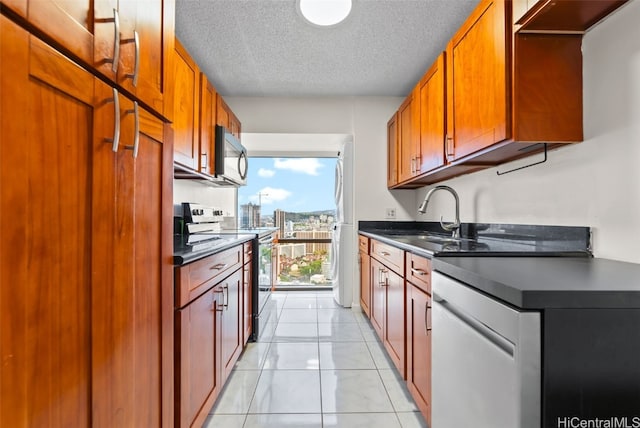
(302, 253)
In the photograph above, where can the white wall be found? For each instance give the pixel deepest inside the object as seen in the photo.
(224, 198)
(363, 117)
(595, 183)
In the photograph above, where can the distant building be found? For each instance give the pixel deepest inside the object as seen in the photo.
(279, 221)
(249, 216)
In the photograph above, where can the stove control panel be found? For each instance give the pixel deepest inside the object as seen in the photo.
(198, 213)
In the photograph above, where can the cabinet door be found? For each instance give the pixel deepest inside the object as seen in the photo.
(477, 81)
(186, 105)
(196, 365)
(394, 326)
(231, 321)
(142, 59)
(378, 297)
(365, 282)
(127, 265)
(419, 348)
(207, 126)
(48, 107)
(392, 151)
(222, 113)
(432, 117)
(406, 146)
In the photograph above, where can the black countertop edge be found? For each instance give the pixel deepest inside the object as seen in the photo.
(182, 257)
(539, 283)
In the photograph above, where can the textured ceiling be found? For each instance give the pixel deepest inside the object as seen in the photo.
(265, 48)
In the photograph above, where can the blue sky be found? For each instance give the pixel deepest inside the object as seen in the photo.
(290, 184)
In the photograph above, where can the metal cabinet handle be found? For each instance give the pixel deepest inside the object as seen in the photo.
(226, 287)
(219, 266)
(136, 135)
(116, 121)
(450, 148)
(384, 253)
(136, 65)
(427, 328)
(203, 159)
(419, 272)
(116, 42)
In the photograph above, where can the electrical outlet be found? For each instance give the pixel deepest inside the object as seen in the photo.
(391, 213)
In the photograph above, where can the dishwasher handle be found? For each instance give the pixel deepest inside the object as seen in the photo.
(478, 326)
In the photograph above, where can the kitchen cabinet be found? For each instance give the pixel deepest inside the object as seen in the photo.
(247, 300)
(419, 332)
(186, 109)
(431, 117)
(208, 328)
(226, 118)
(197, 108)
(388, 301)
(392, 151)
(84, 338)
(207, 128)
(198, 356)
(477, 81)
(365, 274)
(408, 133)
(123, 40)
(511, 90)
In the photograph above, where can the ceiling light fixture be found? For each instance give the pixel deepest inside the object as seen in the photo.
(324, 13)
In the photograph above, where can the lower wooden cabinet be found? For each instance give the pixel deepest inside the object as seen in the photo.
(365, 274)
(198, 351)
(419, 348)
(387, 304)
(209, 331)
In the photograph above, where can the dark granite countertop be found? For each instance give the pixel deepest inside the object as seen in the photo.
(521, 265)
(548, 282)
(184, 252)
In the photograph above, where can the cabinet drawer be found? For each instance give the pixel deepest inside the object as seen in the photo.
(419, 272)
(391, 256)
(195, 278)
(363, 244)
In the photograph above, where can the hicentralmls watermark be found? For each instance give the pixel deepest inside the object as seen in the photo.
(612, 422)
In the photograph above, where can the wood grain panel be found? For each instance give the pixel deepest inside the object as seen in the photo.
(186, 104)
(432, 103)
(392, 151)
(395, 324)
(477, 80)
(45, 245)
(419, 349)
(207, 135)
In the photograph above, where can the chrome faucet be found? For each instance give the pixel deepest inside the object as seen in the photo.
(451, 227)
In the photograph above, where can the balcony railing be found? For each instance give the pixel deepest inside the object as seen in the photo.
(304, 261)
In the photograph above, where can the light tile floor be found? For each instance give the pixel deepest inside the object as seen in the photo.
(315, 364)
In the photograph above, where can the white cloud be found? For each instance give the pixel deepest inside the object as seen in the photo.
(269, 195)
(302, 165)
(266, 173)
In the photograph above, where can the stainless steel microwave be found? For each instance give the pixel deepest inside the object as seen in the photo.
(231, 163)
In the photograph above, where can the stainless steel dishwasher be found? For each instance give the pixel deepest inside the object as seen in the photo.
(486, 360)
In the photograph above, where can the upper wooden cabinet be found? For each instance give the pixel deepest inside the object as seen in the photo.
(226, 118)
(197, 109)
(124, 40)
(186, 105)
(477, 81)
(408, 133)
(207, 136)
(431, 116)
(392, 151)
(508, 91)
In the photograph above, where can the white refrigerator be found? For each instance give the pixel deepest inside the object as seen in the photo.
(343, 256)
